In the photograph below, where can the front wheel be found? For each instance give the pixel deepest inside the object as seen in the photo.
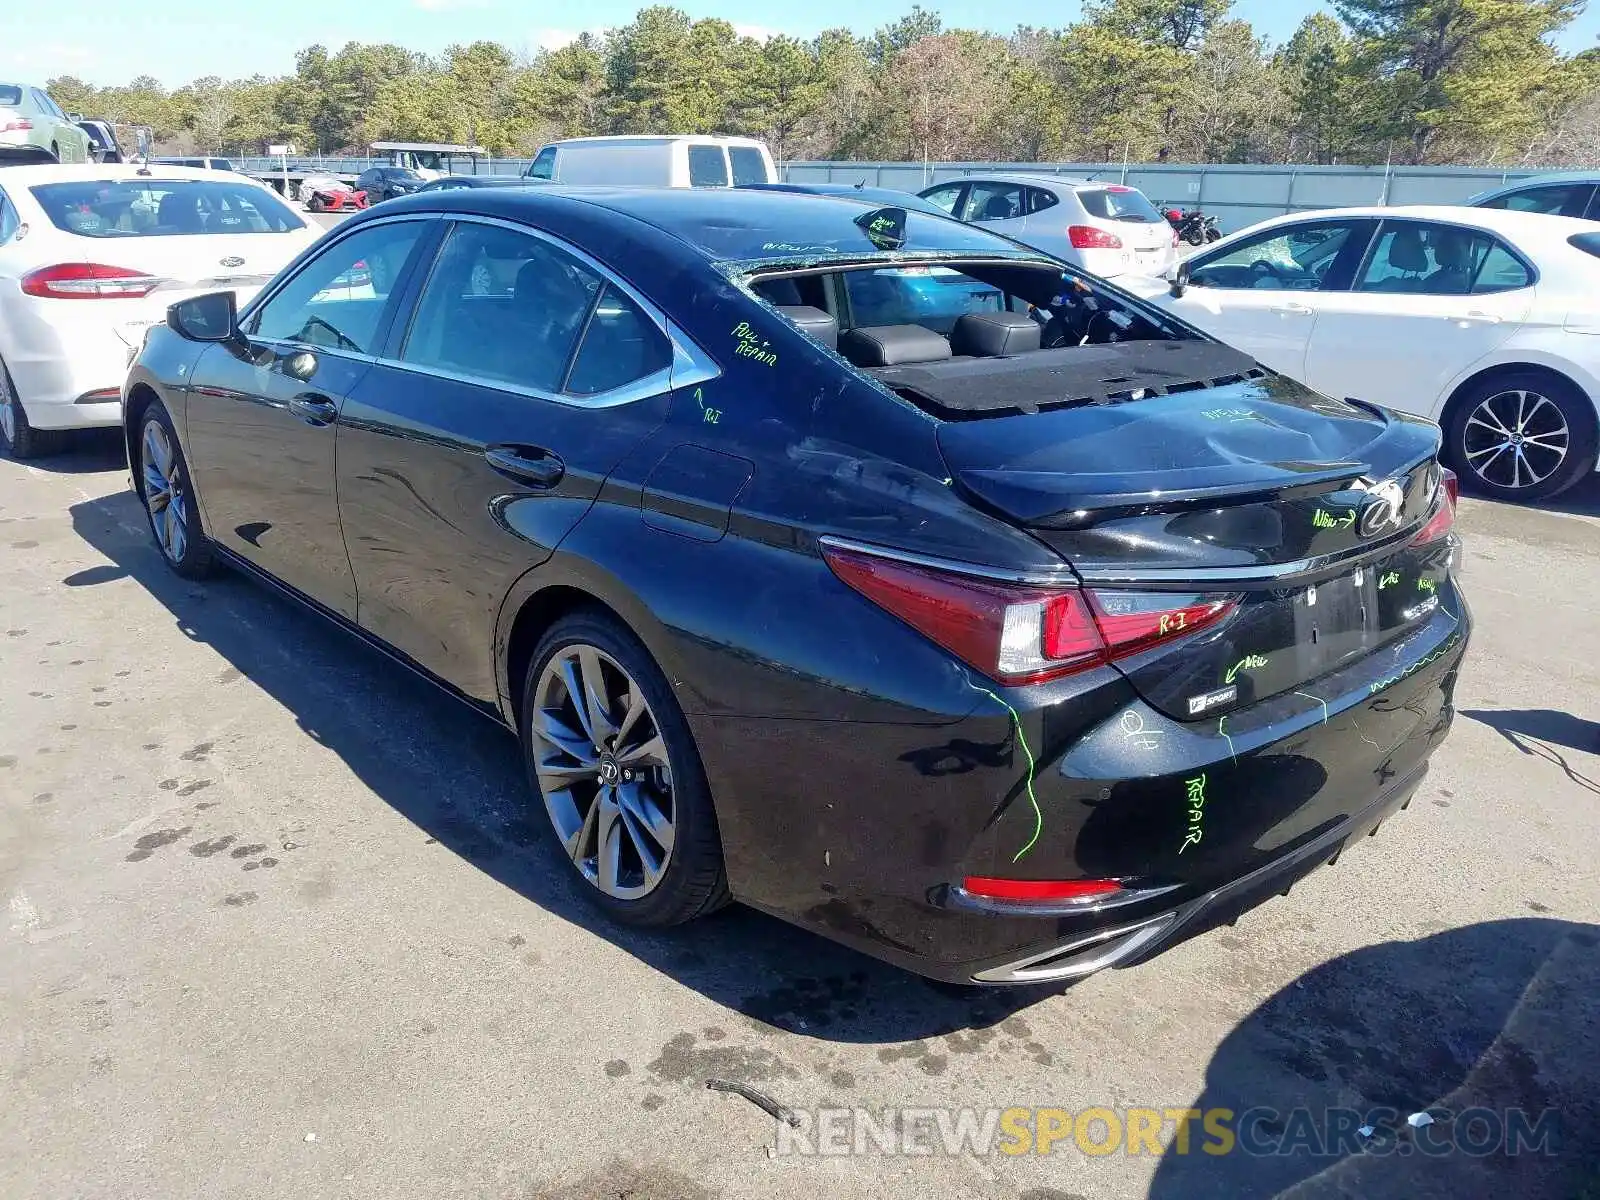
(1213, 235)
(1195, 238)
(169, 498)
(1523, 436)
(316, 205)
(610, 755)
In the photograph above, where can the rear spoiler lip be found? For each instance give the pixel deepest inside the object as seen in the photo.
(1285, 482)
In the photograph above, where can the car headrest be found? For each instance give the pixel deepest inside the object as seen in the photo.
(994, 335)
(783, 293)
(1452, 251)
(1407, 253)
(892, 345)
(813, 322)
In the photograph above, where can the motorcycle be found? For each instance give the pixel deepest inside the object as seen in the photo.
(1194, 227)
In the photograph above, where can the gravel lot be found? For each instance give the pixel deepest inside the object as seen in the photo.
(278, 923)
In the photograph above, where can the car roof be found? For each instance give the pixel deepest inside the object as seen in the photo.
(1041, 180)
(721, 224)
(1506, 222)
(28, 176)
(662, 138)
(1517, 185)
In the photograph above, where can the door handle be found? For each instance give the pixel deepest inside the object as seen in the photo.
(314, 409)
(1293, 310)
(1476, 316)
(527, 464)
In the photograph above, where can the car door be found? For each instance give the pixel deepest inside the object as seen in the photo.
(1262, 294)
(262, 415)
(1430, 300)
(523, 376)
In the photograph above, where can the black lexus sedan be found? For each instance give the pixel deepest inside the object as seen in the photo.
(845, 561)
(387, 183)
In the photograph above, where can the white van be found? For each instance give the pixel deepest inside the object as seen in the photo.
(667, 160)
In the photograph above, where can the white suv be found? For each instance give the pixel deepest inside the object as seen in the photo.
(1106, 228)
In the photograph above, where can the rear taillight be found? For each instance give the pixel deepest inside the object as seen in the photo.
(87, 281)
(8, 124)
(1444, 516)
(1018, 633)
(1087, 237)
(1036, 891)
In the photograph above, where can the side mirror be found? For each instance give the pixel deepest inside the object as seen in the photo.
(1180, 280)
(213, 317)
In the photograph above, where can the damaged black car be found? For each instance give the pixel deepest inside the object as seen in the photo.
(844, 561)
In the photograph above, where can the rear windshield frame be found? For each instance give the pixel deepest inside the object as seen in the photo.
(61, 201)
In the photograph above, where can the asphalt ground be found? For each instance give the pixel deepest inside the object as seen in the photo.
(280, 921)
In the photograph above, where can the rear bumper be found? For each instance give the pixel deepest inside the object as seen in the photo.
(871, 848)
(1126, 944)
(56, 365)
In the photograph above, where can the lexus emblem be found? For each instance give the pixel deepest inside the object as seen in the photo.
(233, 260)
(1384, 510)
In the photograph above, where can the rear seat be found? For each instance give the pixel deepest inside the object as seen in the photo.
(994, 335)
(893, 345)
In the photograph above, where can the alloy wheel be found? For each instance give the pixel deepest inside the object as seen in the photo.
(164, 497)
(1516, 439)
(603, 771)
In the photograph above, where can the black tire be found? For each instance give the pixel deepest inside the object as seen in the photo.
(196, 559)
(1213, 235)
(316, 205)
(24, 442)
(1470, 437)
(1195, 238)
(693, 882)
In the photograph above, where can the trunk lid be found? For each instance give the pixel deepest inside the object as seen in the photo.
(1236, 484)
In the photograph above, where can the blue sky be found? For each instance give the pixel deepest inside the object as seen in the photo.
(110, 41)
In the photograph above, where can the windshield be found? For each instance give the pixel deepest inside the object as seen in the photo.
(1119, 204)
(120, 208)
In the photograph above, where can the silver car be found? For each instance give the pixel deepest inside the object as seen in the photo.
(1107, 229)
(1555, 195)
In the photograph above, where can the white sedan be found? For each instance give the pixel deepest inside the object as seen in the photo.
(90, 256)
(1486, 321)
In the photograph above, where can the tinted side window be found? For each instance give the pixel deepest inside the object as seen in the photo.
(945, 197)
(1500, 271)
(1039, 200)
(504, 306)
(620, 345)
(1300, 258)
(707, 166)
(1558, 199)
(1420, 259)
(994, 202)
(336, 300)
(543, 166)
(9, 221)
(748, 165)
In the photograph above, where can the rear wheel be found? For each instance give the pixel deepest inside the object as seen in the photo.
(610, 755)
(21, 439)
(1523, 436)
(169, 498)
